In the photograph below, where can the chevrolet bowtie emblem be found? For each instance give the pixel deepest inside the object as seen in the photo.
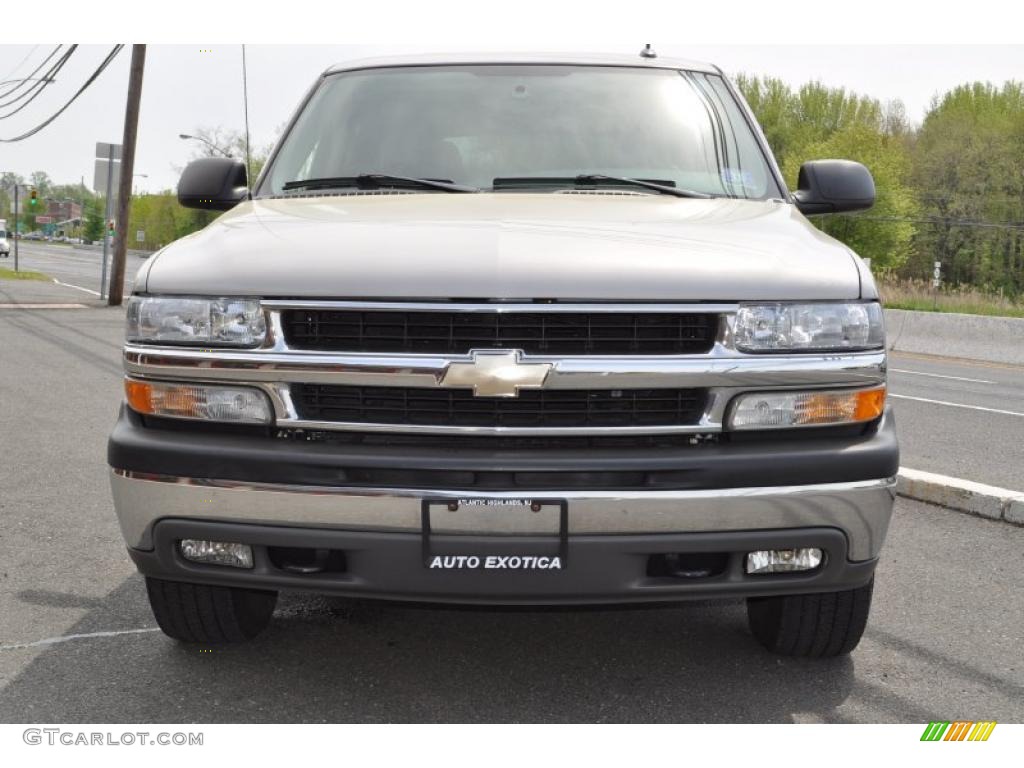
(496, 374)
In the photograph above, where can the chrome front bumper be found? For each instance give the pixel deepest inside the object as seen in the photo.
(861, 510)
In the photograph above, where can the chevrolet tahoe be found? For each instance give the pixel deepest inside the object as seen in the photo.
(511, 330)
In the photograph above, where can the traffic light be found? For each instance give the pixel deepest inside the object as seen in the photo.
(110, 227)
(33, 198)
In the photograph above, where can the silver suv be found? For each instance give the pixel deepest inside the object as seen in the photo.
(511, 330)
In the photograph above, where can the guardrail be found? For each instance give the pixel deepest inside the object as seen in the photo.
(972, 337)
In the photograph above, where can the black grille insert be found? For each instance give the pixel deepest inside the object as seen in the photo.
(547, 333)
(531, 409)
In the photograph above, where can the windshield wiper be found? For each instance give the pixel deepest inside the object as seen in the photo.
(594, 179)
(377, 181)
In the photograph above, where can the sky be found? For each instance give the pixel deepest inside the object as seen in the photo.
(187, 87)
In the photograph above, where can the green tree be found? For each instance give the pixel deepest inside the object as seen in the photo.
(885, 233)
(968, 171)
(94, 224)
(41, 181)
(7, 182)
(815, 122)
(233, 142)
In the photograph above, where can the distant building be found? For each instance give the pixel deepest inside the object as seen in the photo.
(63, 210)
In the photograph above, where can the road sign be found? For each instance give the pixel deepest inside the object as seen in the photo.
(140, 236)
(44, 219)
(107, 169)
(107, 151)
(99, 179)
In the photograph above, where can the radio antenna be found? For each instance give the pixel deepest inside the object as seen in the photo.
(245, 99)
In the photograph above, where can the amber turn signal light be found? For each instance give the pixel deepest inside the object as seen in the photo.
(783, 410)
(207, 402)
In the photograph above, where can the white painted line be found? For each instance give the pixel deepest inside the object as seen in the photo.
(957, 405)
(77, 287)
(941, 376)
(67, 638)
(13, 305)
(962, 495)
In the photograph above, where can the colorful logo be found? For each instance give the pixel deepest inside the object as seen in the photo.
(959, 730)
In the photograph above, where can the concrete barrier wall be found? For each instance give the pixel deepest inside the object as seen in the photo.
(973, 337)
(99, 248)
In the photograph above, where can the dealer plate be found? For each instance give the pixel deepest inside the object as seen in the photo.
(541, 525)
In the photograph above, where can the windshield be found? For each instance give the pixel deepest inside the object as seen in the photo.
(471, 125)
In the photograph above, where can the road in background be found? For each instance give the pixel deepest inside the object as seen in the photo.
(960, 418)
(78, 267)
(954, 417)
(77, 641)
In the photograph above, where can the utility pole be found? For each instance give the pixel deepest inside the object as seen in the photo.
(81, 212)
(124, 199)
(16, 238)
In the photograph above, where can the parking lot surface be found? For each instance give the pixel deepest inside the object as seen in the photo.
(77, 641)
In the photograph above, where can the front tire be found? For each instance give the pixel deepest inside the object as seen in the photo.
(199, 613)
(814, 626)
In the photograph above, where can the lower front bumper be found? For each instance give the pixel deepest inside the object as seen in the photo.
(860, 510)
(591, 570)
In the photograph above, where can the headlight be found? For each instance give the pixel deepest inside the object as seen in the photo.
(809, 327)
(783, 410)
(204, 402)
(182, 320)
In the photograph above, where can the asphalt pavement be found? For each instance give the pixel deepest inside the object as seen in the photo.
(76, 267)
(955, 417)
(960, 418)
(77, 641)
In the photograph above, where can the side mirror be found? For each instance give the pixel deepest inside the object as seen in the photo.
(213, 183)
(834, 186)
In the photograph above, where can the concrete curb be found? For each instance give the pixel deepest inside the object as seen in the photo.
(962, 495)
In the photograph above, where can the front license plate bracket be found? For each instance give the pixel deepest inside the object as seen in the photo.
(496, 505)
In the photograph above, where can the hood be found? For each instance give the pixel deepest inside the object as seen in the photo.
(510, 245)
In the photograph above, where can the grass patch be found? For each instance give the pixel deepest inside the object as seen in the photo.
(25, 274)
(918, 295)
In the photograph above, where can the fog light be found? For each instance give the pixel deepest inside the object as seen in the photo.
(217, 552)
(783, 560)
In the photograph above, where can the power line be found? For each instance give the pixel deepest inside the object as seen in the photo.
(18, 65)
(92, 78)
(946, 222)
(39, 87)
(40, 83)
(32, 74)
